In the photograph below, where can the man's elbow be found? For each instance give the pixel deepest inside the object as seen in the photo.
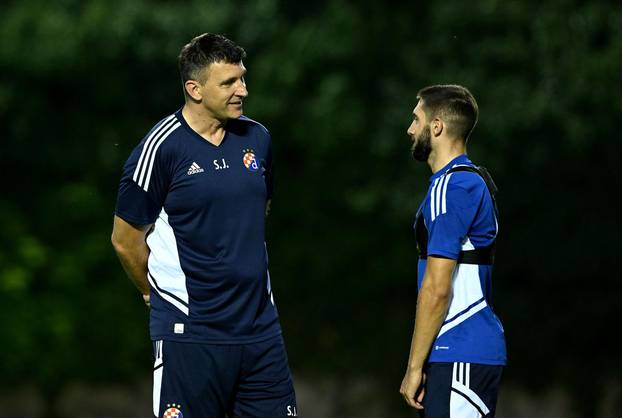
(441, 295)
(120, 244)
(117, 244)
(438, 279)
(438, 291)
(127, 238)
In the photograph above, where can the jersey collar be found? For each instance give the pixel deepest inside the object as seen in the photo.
(460, 159)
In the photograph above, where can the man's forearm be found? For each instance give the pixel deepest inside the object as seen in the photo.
(432, 306)
(431, 312)
(134, 262)
(129, 243)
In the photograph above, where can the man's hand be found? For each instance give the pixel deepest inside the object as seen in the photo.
(147, 302)
(412, 388)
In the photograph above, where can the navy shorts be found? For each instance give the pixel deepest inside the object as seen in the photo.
(461, 390)
(193, 380)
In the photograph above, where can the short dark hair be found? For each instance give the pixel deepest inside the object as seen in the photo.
(204, 50)
(454, 104)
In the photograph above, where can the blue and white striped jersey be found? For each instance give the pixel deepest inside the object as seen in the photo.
(459, 215)
(208, 264)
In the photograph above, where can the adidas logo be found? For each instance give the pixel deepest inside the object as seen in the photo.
(194, 169)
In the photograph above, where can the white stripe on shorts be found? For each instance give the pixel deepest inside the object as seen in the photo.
(463, 402)
(158, 368)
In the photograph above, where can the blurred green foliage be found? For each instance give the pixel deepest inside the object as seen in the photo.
(335, 82)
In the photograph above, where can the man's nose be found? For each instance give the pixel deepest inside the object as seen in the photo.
(241, 90)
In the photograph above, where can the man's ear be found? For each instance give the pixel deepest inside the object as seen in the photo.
(193, 89)
(437, 127)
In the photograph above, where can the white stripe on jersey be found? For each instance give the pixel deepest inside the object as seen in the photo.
(168, 298)
(467, 245)
(152, 158)
(433, 199)
(438, 196)
(460, 319)
(163, 125)
(460, 165)
(468, 297)
(444, 196)
(164, 265)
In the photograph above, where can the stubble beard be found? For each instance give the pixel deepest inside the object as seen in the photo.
(422, 147)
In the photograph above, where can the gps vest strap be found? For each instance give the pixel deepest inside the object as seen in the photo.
(483, 255)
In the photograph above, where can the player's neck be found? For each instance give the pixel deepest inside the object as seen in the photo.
(200, 121)
(441, 156)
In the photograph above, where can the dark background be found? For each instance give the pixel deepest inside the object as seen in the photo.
(81, 82)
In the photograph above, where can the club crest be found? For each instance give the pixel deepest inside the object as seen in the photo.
(172, 411)
(249, 160)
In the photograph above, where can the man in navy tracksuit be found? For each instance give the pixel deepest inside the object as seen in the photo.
(189, 231)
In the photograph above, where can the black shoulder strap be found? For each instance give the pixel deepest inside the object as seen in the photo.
(484, 255)
(485, 175)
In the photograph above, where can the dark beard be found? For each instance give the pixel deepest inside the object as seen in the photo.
(422, 147)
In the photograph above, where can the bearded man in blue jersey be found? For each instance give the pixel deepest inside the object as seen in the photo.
(189, 231)
(458, 346)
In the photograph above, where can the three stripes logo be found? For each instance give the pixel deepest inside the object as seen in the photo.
(463, 398)
(142, 174)
(438, 196)
(194, 169)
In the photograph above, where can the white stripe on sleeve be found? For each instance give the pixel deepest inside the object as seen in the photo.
(150, 153)
(147, 144)
(444, 197)
(153, 155)
(438, 195)
(433, 200)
